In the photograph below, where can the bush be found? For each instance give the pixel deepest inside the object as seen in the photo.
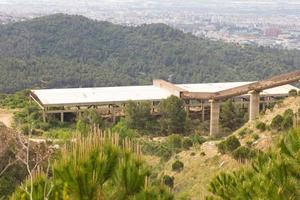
(231, 116)
(228, 145)
(197, 139)
(168, 181)
(173, 115)
(175, 141)
(137, 114)
(243, 132)
(187, 143)
(177, 166)
(88, 119)
(123, 131)
(261, 126)
(243, 153)
(283, 122)
(255, 136)
(155, 148)
(293, 93)
(59, 133)
(276, 122)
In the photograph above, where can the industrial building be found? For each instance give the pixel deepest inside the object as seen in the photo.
(205, 98)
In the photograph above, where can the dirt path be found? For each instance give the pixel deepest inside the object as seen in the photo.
(6, 117)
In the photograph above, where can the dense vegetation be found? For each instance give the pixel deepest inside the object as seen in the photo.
(95, 167)
(73, 51)
(272, 175)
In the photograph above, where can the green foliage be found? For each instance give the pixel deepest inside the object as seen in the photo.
(255, 136)
(95, 167)
(168, 181)
(187, 143)
(137, 114)
(232, 116)
(273, 175)
(177, 166)
(228, 145)
(88, 119)
(60, 133)
(124, 132)
(29, 120)
(243, 132)
(243, 153)
(277, 122)
(162, 150)
(174, 141)
(166, 148)
(293, 93)
(16, 100)
(173, 115)
(118, 55)
(283, 122)
(261, 126)
(159, 193)
(197, 139)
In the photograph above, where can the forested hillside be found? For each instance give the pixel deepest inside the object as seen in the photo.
(73, 51)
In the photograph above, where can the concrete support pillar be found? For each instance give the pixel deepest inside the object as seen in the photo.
(44, 116)
(214, 117)
(62, 116)
(203, 111)
(152, 107)
(254, 105)
(113, 114)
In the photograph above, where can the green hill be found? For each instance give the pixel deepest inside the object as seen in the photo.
(73, 51)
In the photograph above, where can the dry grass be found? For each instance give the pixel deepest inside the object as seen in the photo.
(198, 170)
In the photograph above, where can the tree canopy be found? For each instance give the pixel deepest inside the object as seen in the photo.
(74, 51)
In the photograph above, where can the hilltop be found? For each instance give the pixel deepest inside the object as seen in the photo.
(74, 51)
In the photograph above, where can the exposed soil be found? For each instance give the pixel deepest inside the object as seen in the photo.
(6, 117)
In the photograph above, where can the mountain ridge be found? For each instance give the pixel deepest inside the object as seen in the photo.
(74, 51)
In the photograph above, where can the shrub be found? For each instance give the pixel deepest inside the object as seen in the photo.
(177, 166)
(168, 181)
(255, 136)
(173, 115)
(187, 143)
(283, 122)
(243, 132)
(137, 114)
(231, 116)
(197, 139)
(293, 93)
(228, 145)
(175, 141)
(44, 126)
(276, 122)
(123, 131)
(243, 153)
(261, 126)
(249, 143)
(155, 148)
(89, 118)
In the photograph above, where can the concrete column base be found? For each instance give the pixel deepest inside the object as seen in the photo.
(214, 117)
(254, 105)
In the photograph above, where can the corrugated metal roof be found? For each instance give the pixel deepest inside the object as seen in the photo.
(105, 95)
